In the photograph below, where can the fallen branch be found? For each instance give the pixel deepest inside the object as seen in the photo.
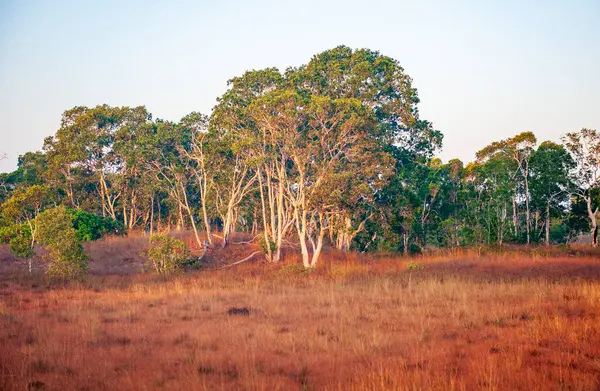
(248, 242)
(238, 262)
(290, 244)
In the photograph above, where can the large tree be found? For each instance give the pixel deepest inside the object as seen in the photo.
(518, 148)
(584, 147)
(551, 166)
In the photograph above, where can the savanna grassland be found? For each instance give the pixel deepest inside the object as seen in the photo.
(520, 320)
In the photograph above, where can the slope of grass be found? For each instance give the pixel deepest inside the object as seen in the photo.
(495, 323)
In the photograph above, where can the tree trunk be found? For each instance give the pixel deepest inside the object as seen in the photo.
(206, 221)
(70, 186)
(152, 215)
(592, 214)
(191, 215)
(547, 223)
(301, 228)
(264, 217)
(515, 222)
(228, 224)
(317, 249)
(159, 214)
(528, 213)
(180, 219)
(280, 221)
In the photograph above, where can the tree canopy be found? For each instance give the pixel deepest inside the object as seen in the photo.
(330, 153)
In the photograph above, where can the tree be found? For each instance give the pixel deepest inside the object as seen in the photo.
(380, 84)
(200, 160)
(22, 246)
(22, 208)
(518, 148)
(166, 254)
(165, 159)
(241, 150)
(584, 147)
(66, 153)
(65, 256)
(493, 182)
(551, 166)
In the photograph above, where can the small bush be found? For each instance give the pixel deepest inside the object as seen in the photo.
(166, 254)
(21, 243)
(413, 266)
(293, 269)
(262, 244)
(66, 257)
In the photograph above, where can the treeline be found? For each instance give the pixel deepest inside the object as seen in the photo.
(333, 151)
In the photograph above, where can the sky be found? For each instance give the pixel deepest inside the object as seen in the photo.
(485, 70)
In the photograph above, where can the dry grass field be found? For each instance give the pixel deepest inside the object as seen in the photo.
(463, 322)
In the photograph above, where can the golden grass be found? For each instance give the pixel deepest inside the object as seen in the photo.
(493, 323)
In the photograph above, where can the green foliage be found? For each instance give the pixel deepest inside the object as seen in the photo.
(25, 203)
(21, 243)
(90, 226)
(293, 269)
(166, 254)
(336, 146)
(262, 244)
(65, 257)
(413, 266)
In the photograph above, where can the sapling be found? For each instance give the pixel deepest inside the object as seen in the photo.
(413, 266)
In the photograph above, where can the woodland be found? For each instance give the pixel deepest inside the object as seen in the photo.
(332, 153)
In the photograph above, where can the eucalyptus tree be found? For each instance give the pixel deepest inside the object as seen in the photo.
(518, 148)
(277, 118)
(339, 154)
(22, 209)
(235, 174)
(380, 84)
(66, 154)
(551, 166)
(232, 120)
(383, 88)
(163, 157)
(493, 180)
(129, 164)
(451, 232)
(97, 148)
(584, 147)
(199, 160)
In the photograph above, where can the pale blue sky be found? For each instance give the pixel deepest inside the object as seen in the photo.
(484, 70)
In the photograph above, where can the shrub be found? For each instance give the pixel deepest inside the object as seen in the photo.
(166, 254)
(21, 245)
(65, 256)
(413, 266)
(293, 269)
(90, 226)
(262, 245)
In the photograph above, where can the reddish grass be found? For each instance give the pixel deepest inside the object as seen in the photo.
(463, 322)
